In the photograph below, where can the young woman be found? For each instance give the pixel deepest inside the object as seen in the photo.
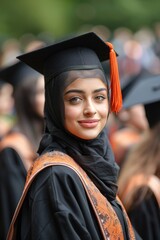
(29, 103)
(73, 192)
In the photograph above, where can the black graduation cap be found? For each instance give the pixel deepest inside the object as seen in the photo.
(129, 83)
(82, 52)
(16, 73)
(144, 91)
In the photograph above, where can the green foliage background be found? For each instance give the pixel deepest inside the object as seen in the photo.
(60, 17)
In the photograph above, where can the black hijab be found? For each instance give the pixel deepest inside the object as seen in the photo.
(94, 156)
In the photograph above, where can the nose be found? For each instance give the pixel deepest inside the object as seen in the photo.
(87, 112)
(89, 109)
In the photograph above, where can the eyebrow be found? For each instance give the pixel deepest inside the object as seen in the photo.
(81, 91)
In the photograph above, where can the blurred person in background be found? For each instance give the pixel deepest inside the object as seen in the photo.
(139, 180)
(129, 124)
(10, 48)
(6, 107)
(150, 60)
(18, 147)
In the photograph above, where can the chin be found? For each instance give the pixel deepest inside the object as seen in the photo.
(88, 137)
(85, 135)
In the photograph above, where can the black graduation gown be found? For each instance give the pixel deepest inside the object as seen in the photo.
(12, 180)
(145, 218)
(56, 207)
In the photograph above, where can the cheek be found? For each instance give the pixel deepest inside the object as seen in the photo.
(104, 111)
(70, 118)
(71, 113)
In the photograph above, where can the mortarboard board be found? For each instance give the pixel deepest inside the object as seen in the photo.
(144, 91)
(82, 52)
(128, 84)
(16, 73)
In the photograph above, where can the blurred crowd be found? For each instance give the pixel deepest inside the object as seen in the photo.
(21, 116)
(138, 53)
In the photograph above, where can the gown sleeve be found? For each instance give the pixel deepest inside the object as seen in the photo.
(145, 218)
(58, 208)
(12, 180)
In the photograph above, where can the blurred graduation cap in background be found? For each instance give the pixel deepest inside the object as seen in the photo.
(146, 91)
(83, 52)
(16, 73)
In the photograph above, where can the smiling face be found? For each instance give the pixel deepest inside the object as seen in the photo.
(86, 107)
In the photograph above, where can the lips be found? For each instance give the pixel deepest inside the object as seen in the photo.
(92, 123)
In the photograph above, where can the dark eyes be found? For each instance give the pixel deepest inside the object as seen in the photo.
(76, 100)
(100, 98)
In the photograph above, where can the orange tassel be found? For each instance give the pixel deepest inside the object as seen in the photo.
(116, 94)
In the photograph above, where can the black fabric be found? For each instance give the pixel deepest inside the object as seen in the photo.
(94, 156)
(12, 180)
(152, 111)
(145, 217)
(70, 59)
(56, 207)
